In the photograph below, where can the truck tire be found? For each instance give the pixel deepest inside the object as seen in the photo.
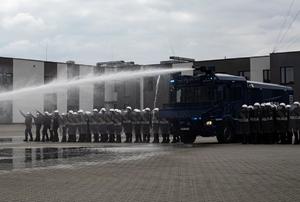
(226, 135)
(188, 138)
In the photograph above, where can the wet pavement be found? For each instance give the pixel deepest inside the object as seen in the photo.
(204, 171)
(32, 155)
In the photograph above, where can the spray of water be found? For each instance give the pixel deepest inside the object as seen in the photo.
(156, 91)
(58, 85)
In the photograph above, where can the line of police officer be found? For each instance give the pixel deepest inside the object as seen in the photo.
(98, 126)
(269, 123)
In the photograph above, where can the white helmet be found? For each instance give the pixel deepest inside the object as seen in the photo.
(282, 104)
(95, 110)
(256, 104)
(80, 111)
(244, 106)
(263, 105)
(129, 108)
(297, 103)
(71, 112)
(147, 109)
(288, 106)
(112, 110)
(56, 111)
(28, 113)
(155, 109)
(137, 110)
(103, 110)
(87, 112)
(63, 114)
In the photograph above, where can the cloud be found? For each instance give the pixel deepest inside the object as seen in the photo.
(23, 20)
(145, 31)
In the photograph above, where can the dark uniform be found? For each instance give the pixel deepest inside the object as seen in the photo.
(155, 125)
(269, 136)
(93, 120)
(38, 121)
(118, 125)
(102, 125)
(71, 125)
(282, 123)
(254, 124)
(137, 123)
(275, 135)
(28, 126)
(289, 134)
(296, 130)
(165, 130)
(243, 127)
(127, 124)
(63, 124)
(83, 126)
(110, 126)
(55, 126)
(146, 123)
(46, 126)
(263, 124)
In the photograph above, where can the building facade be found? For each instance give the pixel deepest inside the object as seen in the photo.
(280, 68)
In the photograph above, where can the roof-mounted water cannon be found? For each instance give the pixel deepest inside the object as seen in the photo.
(200, 69)
(181, 59)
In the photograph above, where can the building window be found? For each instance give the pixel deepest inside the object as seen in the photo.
(245, 74)
(266, 76)
(286, 75)
(73, 92)
(50, 102)
(50, 72)
(149, 84)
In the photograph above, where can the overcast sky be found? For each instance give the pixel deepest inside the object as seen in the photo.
(145, 31)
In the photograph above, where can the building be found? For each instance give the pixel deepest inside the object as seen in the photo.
(15, 73)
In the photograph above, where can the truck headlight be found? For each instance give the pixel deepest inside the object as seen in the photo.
(208, 123)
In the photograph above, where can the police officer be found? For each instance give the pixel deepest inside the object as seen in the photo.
(63, 125)
(117, 116)
(243, 124)
(102, 125)
(289, 133)
(282, 123)
(296, 122)
(87, 119)
(28, 125)
(137, 119)
(38, 121)
(146, 123)
(110, 126)
(55, 125)
(269, 123)
(155, 125)
(127, 124)
(263, 124)
(165, 130)
(80, 123)
(253, 124)
(46, 126)
(93, 121)
(71, 124)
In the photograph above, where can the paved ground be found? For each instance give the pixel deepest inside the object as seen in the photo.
(205, 171)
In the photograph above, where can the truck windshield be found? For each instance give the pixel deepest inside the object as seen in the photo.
(194, 94)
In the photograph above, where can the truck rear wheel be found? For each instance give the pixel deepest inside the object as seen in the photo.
(188, 138)
(226, 135)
